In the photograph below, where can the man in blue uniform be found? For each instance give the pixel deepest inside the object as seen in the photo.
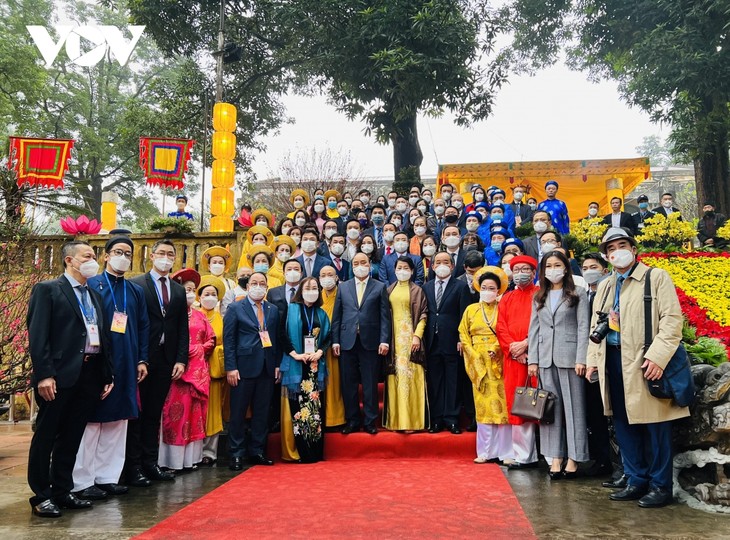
(181, 201)
(556, 208)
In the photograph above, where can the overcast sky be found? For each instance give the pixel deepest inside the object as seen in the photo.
(554, 115)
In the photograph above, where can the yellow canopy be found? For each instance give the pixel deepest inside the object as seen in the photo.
(581, 182)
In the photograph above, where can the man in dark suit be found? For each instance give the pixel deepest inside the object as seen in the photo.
(168, 356)
(252, 357)
(361, 331)
(387, 264)
(377, 217)
(447, 299)
(311, 261)
(708, 226)
(618, 218)
(343, 209)
(451, 238)
(541, 223)
(72, 368)
(667, 207)
(520, 207)
(335, 252)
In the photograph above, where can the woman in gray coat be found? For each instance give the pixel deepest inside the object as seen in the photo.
(557, 343)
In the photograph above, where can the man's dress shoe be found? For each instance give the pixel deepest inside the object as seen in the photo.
(350, 428)
(436, 428)
(516, 466)
(113, 489)
(629, 493)
(69, 500)
(236, 464)
(372, 430)
(155, 473)
(137, 478)
(656, 498)
(454, 428)
(472, 427)
(91, 493)
(47, 509)
(260, 459)
(618, 483)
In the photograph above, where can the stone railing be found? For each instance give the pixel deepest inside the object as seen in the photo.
(46, 250)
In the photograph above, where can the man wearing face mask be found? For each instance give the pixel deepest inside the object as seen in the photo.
(336, 251)
(451, 240)
(447, 191)
(643, 214)
(168, 356)
(343, 211)
(667, 207)
(439, 208)
(708, 225)
(642, 422)
(100, 459)
(72, 368)
(389, 231)
(427, 195)
(239, 291)
(252, 357)
(364, 196)
(592, 210)
(310, 260)
(473, 261)
(556, 209)
(541, 224)
(520, 208)
(377, 216)
(400, 249)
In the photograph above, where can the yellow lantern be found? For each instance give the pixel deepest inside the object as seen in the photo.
(221, 202)
(224, 145)
(221, 224)
(224, 172)
(224, 117)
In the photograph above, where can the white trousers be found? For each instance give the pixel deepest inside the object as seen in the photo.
(523, 443)
(180, 457)
(210, 446)
(494, 441)
(100, 458)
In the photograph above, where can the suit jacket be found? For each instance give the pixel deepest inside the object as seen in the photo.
(525, 212)
(661, 210)
(531, 248)
(371, 319)
(473, 294)
(174, 324)
(458, 266)
(442, 325)
(626, 221)
(387, 269)
(277, 296)
(343, 273)
(318, 263)
(639, 219)
(559, 338)
(242, 348)
(57, 334)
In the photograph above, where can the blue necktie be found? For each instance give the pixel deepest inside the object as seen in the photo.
(619, 284)
(379, 237)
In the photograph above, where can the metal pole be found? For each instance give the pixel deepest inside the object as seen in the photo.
(205, 162)
(219, 64)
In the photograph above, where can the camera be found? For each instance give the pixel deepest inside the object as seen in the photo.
(601, 330)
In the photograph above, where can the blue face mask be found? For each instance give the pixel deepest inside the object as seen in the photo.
(496, 245)
(332, 205)
(643, 205)
(261, 267)
(378, 219)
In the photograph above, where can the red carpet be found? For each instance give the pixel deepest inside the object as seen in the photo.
(356, 499)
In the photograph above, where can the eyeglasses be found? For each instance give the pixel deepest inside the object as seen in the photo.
(120, 253)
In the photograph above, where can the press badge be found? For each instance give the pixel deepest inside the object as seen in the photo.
(614, 320)
(265, 339)
(309, 345)
(119, 322)
(93, 330)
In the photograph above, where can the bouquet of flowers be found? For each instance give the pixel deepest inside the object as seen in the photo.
(668, 233)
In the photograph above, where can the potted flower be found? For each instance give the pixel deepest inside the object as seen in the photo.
(172, 226)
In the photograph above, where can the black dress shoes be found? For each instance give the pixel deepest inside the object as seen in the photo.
(236, 464)
(155, 473)
(516, 466)
(350, 428)
(113, 489)
(618, 483)
(372, 430)
(69, 500)
(137, 478)
(629, 493)
(454, 428)
(46, 509)
(92, 493)
(260, 459)
(656, 498)
(472, 427)
(436, 428)
(570, 475)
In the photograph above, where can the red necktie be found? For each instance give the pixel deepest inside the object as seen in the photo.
(338, 263)
(165, 295)
(387, 250)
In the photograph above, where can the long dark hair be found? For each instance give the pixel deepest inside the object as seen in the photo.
(299, 297)
(545, 284)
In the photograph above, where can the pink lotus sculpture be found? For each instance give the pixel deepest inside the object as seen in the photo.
(80, 225)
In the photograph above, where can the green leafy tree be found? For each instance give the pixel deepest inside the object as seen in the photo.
(671, 58)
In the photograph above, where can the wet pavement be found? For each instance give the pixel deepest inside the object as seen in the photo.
(564, 509)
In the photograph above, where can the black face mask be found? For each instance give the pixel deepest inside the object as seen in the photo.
(451, 219)
(242, 282)
(710, 213)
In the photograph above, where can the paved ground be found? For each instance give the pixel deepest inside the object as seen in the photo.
(575, 509)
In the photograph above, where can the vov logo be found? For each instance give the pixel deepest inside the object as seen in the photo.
(101, 38)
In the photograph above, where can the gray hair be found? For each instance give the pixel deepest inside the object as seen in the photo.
(69, 249)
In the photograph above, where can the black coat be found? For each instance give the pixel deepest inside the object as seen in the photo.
(442, 325)
(627, 221)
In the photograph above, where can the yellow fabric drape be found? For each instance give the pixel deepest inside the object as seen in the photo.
(334, 405)
(218, 402)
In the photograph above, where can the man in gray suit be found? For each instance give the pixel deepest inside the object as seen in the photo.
(361, 331)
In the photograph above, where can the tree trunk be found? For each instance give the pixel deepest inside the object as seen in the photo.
(712, 164)
(406, 149)
(94, 200)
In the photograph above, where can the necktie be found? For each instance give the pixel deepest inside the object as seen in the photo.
(619, 284)
(387, 250)
(439, 293)
(260, 315)
(308, 264)
(292, 290)
(338, 263)
(165, 294)
(86, 303)
(453, 259)
(379, 237)
(360, 292)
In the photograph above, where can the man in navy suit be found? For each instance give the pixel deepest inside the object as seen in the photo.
(387, 265)
(447, 299)
(361, 331)
(311, 261)
(336, 249)
(252, 356)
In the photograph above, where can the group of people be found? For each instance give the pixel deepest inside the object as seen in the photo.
(136, 378)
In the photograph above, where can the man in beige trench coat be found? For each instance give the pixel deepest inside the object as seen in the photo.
(642, 422)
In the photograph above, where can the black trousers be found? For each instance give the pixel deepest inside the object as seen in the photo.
(255, 392)
(598, 437)
(359, 365)
(442, 375)
(60, 425)
(143, 433)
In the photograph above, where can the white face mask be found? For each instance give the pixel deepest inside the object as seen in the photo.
(293, 276)
(621, 258)
(555, 275)
(328, 283)
(420, 231)
(367, 248)
(592, 276)
(318, 208)
(479, 197)
(120, 263)
(401, 246)
(342, 211)
(337, 249)
(422, 208)
(310, 296)
(298, 204)
(439, 210)
(162, 264)
(403, 275)
(388, 236)
(190, 297)
(300, 221)
(308, 246)
(396, 223)
(365, 200)
(446, 195)
(540, 226)
(256, 293)
(507, 269)
(285, 230)
(428, 251)
(262, 223)
(283, 256)
(487, 296)
(217, 269)
(400, 207)
(457, 204)
(518, 196)
(296, 239)
(412, 219)
(329, 233)
(209, 302)
(442, 271)
(391, 203)
(361, 271)
(548, 246)
(471, 226)
(452, 241)
(353, 234)
(412, 200)
(667, 204)
(89, 268)
(593, 212)
(427, 198)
